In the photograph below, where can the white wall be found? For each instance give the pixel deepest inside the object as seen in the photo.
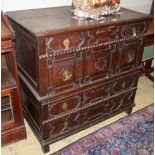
(11, 5)
(138, 5)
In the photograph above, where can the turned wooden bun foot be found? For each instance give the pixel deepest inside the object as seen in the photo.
(129, 111)
(45, 148)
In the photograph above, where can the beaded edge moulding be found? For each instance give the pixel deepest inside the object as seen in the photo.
(95, 8)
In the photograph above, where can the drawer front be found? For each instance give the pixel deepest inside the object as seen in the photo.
(64, 124)
(97, 93)
(65, 72)
(111, 88)
(103, 91)
(132, 30)
(74, 40)
(94, 112)
(124, 84)
(109, 107)
(101, 35)
(64, 106)
(65, 41)
(129, 54)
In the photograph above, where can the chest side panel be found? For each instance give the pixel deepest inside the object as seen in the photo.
(27, 55)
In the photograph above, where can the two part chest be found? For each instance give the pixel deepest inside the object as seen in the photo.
(84, 75)
(74, 78)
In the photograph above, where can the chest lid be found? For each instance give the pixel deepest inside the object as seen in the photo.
(47, 21)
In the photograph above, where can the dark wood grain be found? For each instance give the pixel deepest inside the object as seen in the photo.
(73, 73)
(12, 123)
(39, 21)
(7, 79)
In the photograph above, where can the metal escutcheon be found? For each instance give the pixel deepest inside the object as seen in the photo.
(66, 75)
(64, 106)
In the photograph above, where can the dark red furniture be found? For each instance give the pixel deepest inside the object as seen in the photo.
(12, 125)
(76, 73)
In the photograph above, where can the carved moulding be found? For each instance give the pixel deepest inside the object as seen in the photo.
(95, 8)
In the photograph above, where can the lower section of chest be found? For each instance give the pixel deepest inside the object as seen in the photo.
(66, 113)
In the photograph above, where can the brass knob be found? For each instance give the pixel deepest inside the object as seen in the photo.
(123, 85)
(134, 33)
(66, 43)
(64, 106)
(66, 75)
(66, 124)
(130, 58)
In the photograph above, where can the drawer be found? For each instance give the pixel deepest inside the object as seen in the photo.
(70, 104)
(97, 93)
(74, 40)
(94, 112)
(120, 102)
(108, 107)
(134, 29)
(101, 35)
(64, 106)
(123, 84)
(113, 87)
(65, 41)
(65, 124)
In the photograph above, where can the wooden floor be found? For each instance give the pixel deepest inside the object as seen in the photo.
(30, 146)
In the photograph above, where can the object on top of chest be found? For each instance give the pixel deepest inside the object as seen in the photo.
(95, 8)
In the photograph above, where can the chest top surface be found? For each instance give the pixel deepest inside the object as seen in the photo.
(59, 19)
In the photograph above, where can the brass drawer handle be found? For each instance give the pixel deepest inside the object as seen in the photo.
(134, 33)
(66, 75)
(66, 43)
(123, 85)
(65, 124)
(64, 106)
(130, 58)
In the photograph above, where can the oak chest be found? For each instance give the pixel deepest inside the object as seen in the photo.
(75, 73)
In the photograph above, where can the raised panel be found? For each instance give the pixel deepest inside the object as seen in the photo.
(128, 55)
(98, 63)
(124, 83)
(64, 106)
(108, 107)
(64, 73)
